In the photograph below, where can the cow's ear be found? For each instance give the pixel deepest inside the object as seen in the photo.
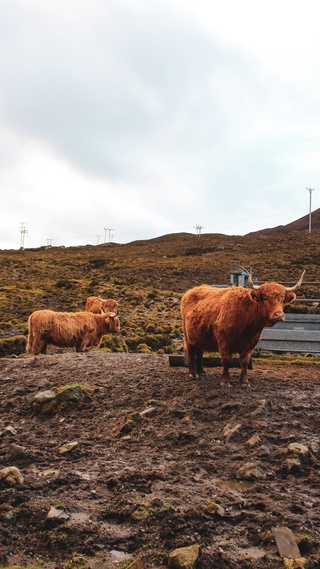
(255, 294)
(290, 297)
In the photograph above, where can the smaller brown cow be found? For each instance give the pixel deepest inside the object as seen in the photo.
(101, 306)
(79, 330)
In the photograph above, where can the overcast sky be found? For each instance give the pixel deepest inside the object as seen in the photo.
(130, 119)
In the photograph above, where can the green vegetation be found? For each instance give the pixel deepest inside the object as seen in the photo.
(147, 278)
(13, 346)
(77, 562)
(287, 358)
(65, 397)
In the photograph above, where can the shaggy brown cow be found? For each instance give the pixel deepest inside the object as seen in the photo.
(100, 306)
(78, 330)
(230, 320)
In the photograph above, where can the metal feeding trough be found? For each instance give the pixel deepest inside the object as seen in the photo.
(239, 275)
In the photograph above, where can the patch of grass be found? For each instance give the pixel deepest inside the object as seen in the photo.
(270, 358)
(14, 346)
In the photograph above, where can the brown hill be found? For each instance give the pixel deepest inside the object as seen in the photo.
(147, 278)
(301, 224)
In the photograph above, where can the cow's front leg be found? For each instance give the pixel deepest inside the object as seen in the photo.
(225, 378)
(195, 361)
(244, 363)
(81, 344)
(192, 364)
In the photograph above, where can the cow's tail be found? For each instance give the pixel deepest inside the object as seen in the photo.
(30, 337)
(185, 343)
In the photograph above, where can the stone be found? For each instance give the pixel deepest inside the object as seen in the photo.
(293, 464)
(213, 508)
(11, 430)
(148, 412)
(184, 557)
(286, 542)
(50, 473)
(56, 516)
(11, 475)
(253, 440)
(251, 471)
(44, 396)
(230, 431)
(44, 401)
(19, 452)
(67, 447)
(299, 450)
(70, 394)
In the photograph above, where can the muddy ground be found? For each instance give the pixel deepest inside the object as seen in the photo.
(160, 462)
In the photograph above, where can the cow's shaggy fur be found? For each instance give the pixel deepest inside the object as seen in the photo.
(77, 330)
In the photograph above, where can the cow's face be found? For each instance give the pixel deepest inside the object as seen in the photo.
(109, 305)
(273, 298)
(112, 322)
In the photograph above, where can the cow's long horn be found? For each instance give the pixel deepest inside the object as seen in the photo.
(250, 281)
(291, 288)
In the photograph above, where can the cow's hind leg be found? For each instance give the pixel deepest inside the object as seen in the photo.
(29, 348)
(225, 378)
(244, 363)
(191, 361)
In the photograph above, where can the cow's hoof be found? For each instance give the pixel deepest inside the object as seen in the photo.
(244, 384)
(225, 383)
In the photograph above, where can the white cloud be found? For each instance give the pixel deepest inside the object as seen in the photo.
(152, 117)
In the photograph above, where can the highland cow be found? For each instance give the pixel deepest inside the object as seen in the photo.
(229, 321)
(79, 330)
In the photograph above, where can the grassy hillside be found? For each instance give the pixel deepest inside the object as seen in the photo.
(147, 278)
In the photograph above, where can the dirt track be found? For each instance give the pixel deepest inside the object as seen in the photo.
(161, 462)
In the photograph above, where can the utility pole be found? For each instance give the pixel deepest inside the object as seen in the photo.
(23, 232)
(310, 190)
(109, 229)
(198, 229)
